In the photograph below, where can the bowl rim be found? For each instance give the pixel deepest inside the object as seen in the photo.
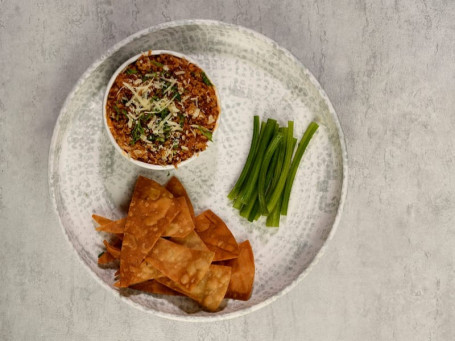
(53, 161)
(125, 155)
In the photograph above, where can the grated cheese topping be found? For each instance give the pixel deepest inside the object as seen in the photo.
(157, 106)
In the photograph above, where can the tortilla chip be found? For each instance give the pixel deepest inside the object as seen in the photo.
(151, 210)
(117, 226)
(191, 241)
(182, 224)
(242, 275)
(154, 287)
(176, 188)
(217, 236)
(100, 220)
(210, 291)
(105, 258)
(113, 250)
(181, 264)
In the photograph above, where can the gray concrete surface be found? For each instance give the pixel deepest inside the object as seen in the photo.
(388, 68)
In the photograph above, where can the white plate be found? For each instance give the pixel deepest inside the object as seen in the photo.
(253, 76)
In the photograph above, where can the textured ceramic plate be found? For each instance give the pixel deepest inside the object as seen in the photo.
(253, 76)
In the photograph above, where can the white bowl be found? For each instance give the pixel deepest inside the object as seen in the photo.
(109, 133)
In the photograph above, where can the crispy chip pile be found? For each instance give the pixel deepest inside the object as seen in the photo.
(162, 248)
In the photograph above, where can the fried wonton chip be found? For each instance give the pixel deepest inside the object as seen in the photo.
(216, 235)
(117, 226)
(164, 249)
(179, 263)
(242, 275)
(146, 272)
(105, 258)
(100, 220)
(210, 291)
(151, 210)
(191, 241)
(176, 188)
(113, 250)
(154, 287)
(183, 223)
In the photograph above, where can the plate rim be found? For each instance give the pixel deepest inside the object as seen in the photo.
(201, 22)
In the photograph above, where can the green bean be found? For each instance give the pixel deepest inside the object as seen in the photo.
(306, 138)
(279, 165)
(250, 181)
(273, 219)
(276, 141)
(249, 161)
(254, 212)
(246, 209)
(276, 193)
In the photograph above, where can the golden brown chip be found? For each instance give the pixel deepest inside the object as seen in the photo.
(182, 224)
(191, 241)
(176, 188)
(100, 220)
(145, 272)
(151, 210)
(112, 249)
(181, 264)
(117, 226)
(105, 258)
(154, 287)
(210, 290)
(216, 235)
(242, 275)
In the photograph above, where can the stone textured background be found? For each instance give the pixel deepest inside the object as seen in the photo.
(388, 68)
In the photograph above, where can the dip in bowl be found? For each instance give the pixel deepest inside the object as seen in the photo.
(160, 110)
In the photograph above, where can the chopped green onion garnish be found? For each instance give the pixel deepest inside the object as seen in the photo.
(164, 113)
(207, 133)
(181, 120)
(136, 132)
(175, 91)
(157, 63)
(118, 111)
(131, 71)
(145, 117)
(205, 79)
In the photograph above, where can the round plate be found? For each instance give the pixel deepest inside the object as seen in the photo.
(253, 76)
